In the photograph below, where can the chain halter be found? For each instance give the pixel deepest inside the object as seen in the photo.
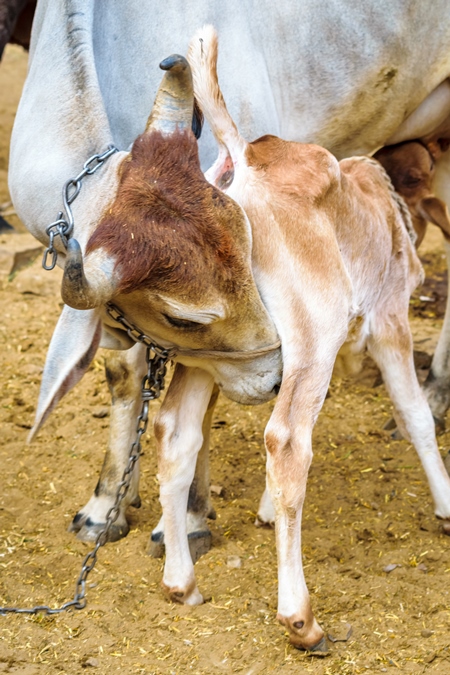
(63, 225)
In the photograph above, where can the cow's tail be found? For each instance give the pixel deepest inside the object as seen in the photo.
(202, 57)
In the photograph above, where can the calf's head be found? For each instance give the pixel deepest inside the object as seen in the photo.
(411, 168)
(174, 253)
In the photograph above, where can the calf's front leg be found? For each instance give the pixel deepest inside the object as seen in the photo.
(199, 506)
(178, 431)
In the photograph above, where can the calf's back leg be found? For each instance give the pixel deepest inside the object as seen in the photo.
(391, 347)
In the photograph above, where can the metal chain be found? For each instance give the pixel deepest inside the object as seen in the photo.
(152, 385)
(63, 225)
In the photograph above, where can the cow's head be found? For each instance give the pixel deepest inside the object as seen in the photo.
(174, 253)
(411, 168)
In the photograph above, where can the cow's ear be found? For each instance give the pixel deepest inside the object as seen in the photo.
(72, 348)
(197, 120)
(435, 211)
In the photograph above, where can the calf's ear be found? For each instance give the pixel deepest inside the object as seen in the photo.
(73, 346)
(435, 211)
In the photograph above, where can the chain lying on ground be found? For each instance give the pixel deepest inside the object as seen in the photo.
(152, 385)
(63, 225)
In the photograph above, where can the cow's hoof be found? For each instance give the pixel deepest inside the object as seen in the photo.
(199, 544)
(445, 525)
(87, 530)
(136, 503)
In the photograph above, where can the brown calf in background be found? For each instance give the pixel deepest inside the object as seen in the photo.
(411, 168)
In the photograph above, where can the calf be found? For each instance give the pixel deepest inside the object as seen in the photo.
(411, 168)
(334, 263)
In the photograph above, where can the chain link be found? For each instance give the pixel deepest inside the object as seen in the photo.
(152, 385)
(63, 225)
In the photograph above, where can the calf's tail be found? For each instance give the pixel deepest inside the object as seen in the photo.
(202, 57)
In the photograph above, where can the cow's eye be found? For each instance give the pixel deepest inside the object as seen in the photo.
(182, 323)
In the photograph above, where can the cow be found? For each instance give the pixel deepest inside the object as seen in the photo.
(334, 260)
(348, 78)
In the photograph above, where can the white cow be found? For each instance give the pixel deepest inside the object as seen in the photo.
(346, 76)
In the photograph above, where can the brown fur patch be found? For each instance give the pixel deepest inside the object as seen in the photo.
(168, 226)
(295, 170)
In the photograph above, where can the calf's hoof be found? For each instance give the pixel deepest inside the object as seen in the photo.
(199, 544)
(320, 649)
(305, 634)
(189, 596)
(87, 530)
(259, 522)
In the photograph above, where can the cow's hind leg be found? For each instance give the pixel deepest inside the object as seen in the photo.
(391, 347)
(199, 501)
(124, 373)
(437, 385)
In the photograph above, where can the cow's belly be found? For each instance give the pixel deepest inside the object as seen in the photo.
(433, 114)
(330, 74)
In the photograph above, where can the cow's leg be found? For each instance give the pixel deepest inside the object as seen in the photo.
(289, 454)
(199, 502)
(391, 348)
(124, 373)
(178, 430)
(437, 385)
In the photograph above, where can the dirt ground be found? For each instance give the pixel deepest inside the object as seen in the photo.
(368, 508)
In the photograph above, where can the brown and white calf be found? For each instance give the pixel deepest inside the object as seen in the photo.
(334, 263)
(411, 167)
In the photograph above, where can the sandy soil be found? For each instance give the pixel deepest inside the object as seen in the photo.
(368, 507)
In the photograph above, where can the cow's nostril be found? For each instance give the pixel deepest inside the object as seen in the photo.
(276, 389)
